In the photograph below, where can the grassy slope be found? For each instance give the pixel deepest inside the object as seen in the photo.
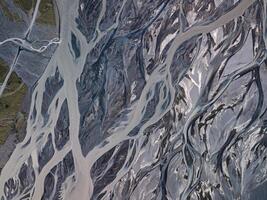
(10, 102)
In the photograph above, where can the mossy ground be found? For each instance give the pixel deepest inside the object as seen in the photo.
(10, 102)
(46, 10)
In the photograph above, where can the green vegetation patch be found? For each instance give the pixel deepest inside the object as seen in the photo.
(46, 10)
(7, 12)
(10, 103)
(26, 5)
(47, 14)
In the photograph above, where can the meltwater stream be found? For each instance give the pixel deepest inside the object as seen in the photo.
(143, 100)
